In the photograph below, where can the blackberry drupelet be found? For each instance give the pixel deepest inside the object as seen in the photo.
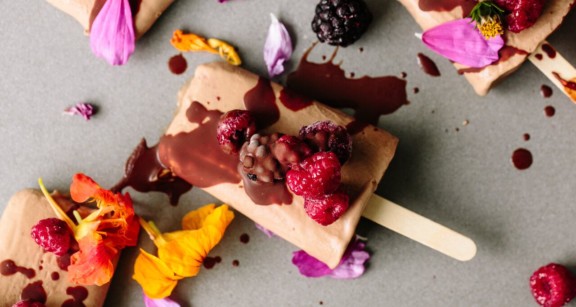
(341, 22)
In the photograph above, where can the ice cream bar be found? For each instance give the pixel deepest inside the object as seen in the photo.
(190, 150)
(431, 13)
(29, 272)
(84, 11)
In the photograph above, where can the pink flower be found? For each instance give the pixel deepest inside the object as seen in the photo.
(266, 231)
(83, 109)
(461, 42)
(351, 266)
(112, 33)
(163, 302)
(277, 48)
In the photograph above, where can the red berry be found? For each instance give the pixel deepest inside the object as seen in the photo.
(327, 136)
(521, 14)
(234, 128)
(28, 303)
(53, 235)
(316, 176)
(553, 285)
(327, 209)
(290, 150)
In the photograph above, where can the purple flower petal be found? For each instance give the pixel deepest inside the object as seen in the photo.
(277, 48)
(462, 43)
(351, 266)
(267, 232)
(163, 302)
(112, 33)
(83, 109)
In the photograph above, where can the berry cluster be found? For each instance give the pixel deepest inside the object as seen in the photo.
(521, 14)
(341, 22)
(309, 164)
(553, 285)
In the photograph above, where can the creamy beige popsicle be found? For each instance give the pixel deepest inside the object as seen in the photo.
(190, 150)
(84, 11)
(41, 269)
(518, 45)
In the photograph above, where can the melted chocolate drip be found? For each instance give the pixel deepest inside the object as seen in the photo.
(177, 64)
(545, 91)
(567, 84)
(195, 156)
(235, 262)
(427, 65)
(538, 56)
(34, 292)
(505, 53)
(266, 193)
(145, 173)
(522, 158)
(294, 101)
(549, 111)
(261, 102)
(8, 267)
(526, 137)
(55, 275)
(79, 294)
(549, 50)
(63, 261)
(446, 5)
(244, 238)
(210, 262)
(327, 83)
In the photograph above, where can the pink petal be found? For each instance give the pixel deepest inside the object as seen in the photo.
(163, 302)
(351, 266)
(277, 48)
(266, 231)
(112, 33)
(83, 109)
(462, 43)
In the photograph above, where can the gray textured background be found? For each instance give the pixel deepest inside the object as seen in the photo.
(463, 179)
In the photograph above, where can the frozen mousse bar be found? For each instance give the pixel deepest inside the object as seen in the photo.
(190, 150)
(145, 12)
(28, 273)
(432, 13)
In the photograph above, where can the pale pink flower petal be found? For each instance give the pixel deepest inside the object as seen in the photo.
(83, 109)
(277, 48)
(112, 33)
(266, 231)
(462, 43)
(163, 302)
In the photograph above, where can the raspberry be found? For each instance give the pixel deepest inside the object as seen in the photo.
(290, 150)
(28, 303)
(327, 136)
(341, 22)
(234, 128)
(257, 161)
(316, 176)
(553, 285)
(522, 14)
(53, 235)
(327, 209)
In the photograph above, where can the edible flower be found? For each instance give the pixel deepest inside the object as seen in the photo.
(460, 42)
(488, 18)
(101, 234)
(163, 302)
(277, 48)
(265, 230)
(112, 32)
(351, 265)
(180, 253)
(193, 42)
(83, 109)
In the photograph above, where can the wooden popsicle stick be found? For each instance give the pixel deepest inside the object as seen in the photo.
(419, 228)
(556, 68)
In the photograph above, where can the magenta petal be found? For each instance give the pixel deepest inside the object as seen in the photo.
(462, 43)
(308, 265)
(112, 33)
(163, 302)
(83, 109)
(277, 48)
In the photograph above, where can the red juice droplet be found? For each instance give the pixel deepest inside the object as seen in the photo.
(177, 64)
(545, 91)
(428, 66)
(549, 111)
(522, 158)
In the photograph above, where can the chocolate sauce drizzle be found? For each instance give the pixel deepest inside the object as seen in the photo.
(34, 292)
(79, 294)
(8, 267)
(177, 64)
(261, 102)
(428, 66)
(522, 158)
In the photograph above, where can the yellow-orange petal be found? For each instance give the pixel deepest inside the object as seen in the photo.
(208, 215)
(226, 51)
(83, 188)
(190, 42)
(154, 276)
(92, 264)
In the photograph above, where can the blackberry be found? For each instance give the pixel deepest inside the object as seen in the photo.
(257, 161)
(341, 22)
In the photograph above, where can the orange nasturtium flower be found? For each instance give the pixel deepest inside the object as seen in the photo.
(110, 227)
(193, 42)
(180, 253)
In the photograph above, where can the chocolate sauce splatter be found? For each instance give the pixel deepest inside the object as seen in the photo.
(549, 50)
(294, 101)
(63, 261)
(326, 82)
(522, 158)
(8, 267)
(79, 294)
(145, 173)
(416, 90)
(526, 137)
(549, 111)
(55, 275)
(505, 53)
(404, 75)
(34, 292)
(545, 91)
(235, 262)
(195, 156)
(567, 84)
(210, 262)
(264, 194)
(261, 102)
(244, 238)
(177, 64)
(538, 56)
(446, 5)
(428, 66)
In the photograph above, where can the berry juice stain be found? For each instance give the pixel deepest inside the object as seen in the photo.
(8, 267)
(261, 102)
(545, 91)
(79, 294)
(244, 238)
(63, 261)
(55, 275)
(522, 158)
(427, 65)
(326, 82)
(549, 50)
(177, 64)
(235, 262)
(416, 90)
(526, 137)
(293, 101)
(210, 262)
(549, 111)
(34, 292)
(538, 56)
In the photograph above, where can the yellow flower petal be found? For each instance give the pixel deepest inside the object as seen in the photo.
(226, 51)
(208, 215)
(190, 42)
(154, 276)
(195, 218)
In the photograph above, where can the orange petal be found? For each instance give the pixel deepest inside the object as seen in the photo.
(83, 188)
(154, 276)
(208, 215)
(92, 265)
(195, 218)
